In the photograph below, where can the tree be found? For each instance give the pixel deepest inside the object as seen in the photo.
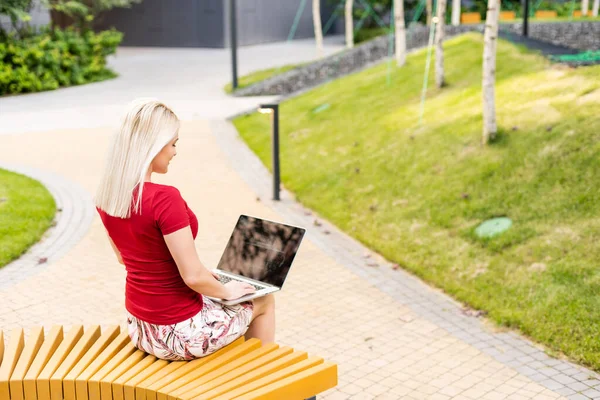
(439, 39)
(400, 30)
(349, 24)
(585, 5)
(82, 12)
(489, 70)
(429, 9)
(595, 8)
(316, 12)
(455, 12)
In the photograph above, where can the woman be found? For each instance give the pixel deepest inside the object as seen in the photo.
(152, 232)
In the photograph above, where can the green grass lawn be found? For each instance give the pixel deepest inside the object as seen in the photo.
(257, 76)
(26, 211)
(562, 19)
(416, 193)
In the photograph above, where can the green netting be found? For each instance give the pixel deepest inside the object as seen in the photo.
(572, 11)
(296, 20)
(390, 30)
(585, 57)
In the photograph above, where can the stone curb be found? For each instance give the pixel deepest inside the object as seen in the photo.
(72, 224)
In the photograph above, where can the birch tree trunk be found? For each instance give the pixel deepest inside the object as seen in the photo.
(595, 8)
(349, 24)
(400, 29)
(316, 11)
(489, 70)
(455, 12)
(429, 9)
(585, 5)
(439, 39)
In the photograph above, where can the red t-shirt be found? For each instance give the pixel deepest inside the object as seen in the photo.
(154, 291)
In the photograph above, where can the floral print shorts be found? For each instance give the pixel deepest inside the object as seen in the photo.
(214, 327)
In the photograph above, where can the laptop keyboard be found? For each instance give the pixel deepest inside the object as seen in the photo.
(224, 279)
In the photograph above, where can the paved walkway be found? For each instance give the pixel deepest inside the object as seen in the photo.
(392, 336)
(190, 80)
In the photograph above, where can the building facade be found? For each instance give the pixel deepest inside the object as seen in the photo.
(205, 23)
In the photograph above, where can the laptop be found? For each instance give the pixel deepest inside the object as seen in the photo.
(259, 252)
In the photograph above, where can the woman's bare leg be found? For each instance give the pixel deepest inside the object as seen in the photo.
(263, 320)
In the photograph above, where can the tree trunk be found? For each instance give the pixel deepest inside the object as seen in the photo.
(439, 39)
(489, 70)
(316, 11)
(400, 29)
(429, 9)
(585, 5)
(455, 12)
(595, 8)
(349, 24)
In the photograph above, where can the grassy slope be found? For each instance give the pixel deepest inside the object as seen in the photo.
(415, 194)
(26, 211)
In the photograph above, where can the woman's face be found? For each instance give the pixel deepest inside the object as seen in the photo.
(160, 164)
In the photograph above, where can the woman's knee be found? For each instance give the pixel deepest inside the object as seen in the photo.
(265, 303)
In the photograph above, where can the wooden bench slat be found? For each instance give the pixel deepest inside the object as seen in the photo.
(131, 361)
(103, 341)
(81, 382)
(86, 341)
(298, 386)
(11, 357)
(32, 346)
(142, 386)
(68, 343)
(223, 369)
(232, 374)
(168, 369)
(1, 346)
(94, 382)
(209, 366)
(151, 388)
(55, 337)
(271, 378)
(253, 375)
(148, 365)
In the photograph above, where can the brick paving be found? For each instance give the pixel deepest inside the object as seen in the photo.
(392, 336)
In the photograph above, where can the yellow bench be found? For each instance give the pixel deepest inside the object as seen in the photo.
(103, 364)
(546, 14)
(578, 14)
(470, 18)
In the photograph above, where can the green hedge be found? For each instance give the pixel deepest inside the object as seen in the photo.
(55, 58)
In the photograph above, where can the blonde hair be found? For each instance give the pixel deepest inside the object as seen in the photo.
(148, 126)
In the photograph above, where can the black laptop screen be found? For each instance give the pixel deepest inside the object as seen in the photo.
(261, 250)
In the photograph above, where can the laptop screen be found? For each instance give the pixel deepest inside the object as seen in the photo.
(261, 250)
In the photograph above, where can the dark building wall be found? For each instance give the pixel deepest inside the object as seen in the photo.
(263, 21)
(180, 23)
(205, 23)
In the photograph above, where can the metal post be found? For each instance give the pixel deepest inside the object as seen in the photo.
(233, 43)
(525, 17)
(275, 152)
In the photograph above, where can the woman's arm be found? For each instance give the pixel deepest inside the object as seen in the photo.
(194, 274)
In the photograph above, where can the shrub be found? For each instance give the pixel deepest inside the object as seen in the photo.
(55, 58)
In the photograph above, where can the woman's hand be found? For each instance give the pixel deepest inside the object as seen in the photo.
(237, 289)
